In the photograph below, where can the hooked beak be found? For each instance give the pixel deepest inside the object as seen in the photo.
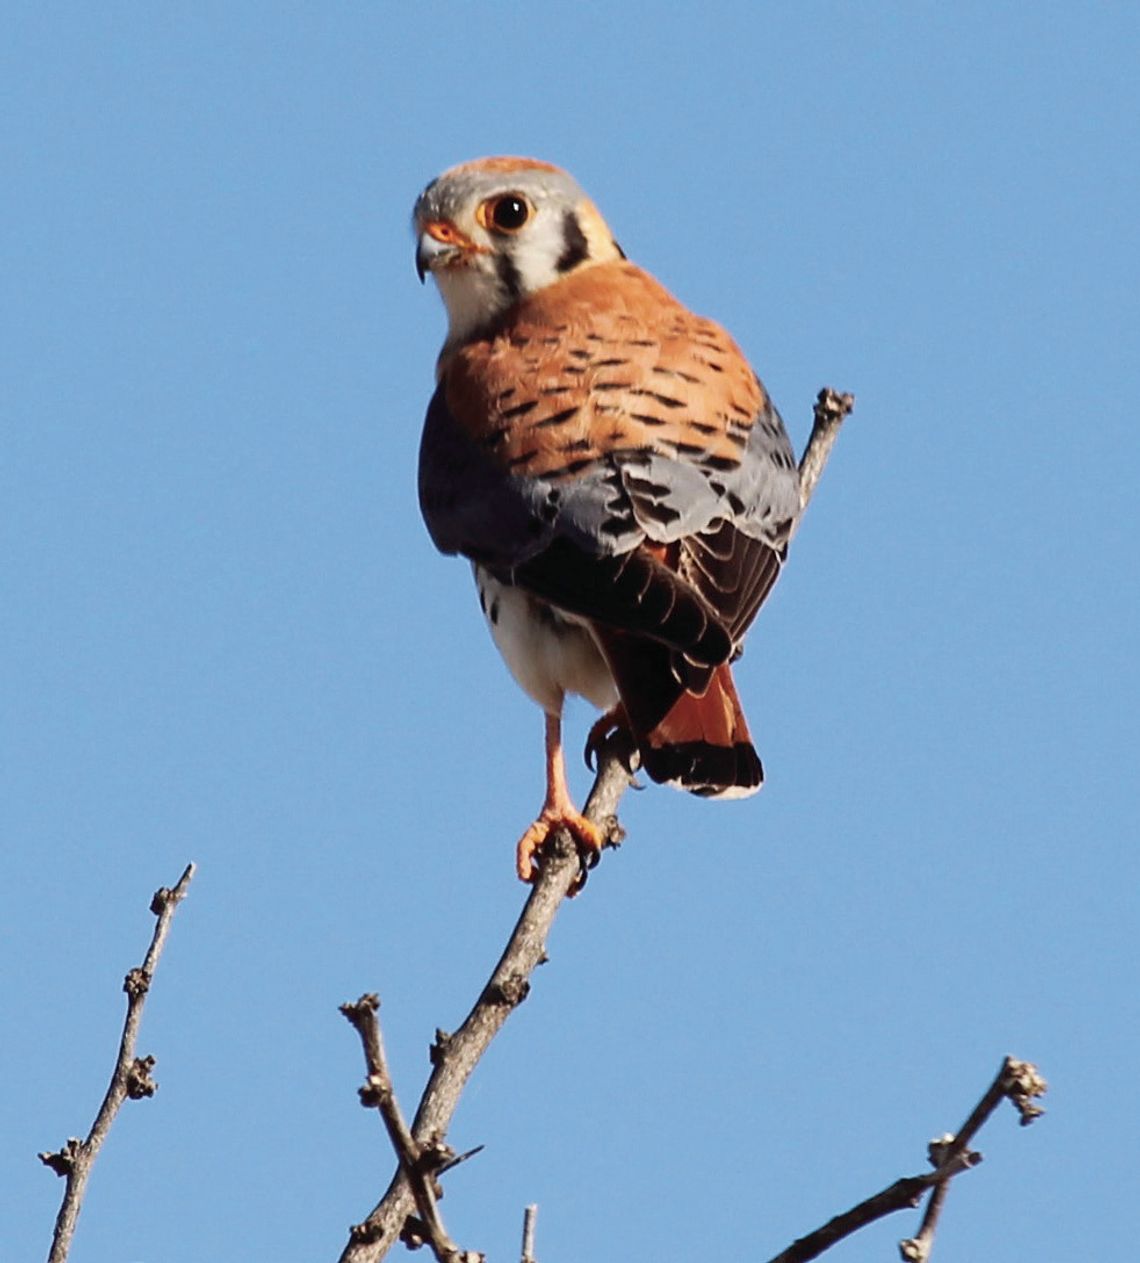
(439, 244)
(424, 256)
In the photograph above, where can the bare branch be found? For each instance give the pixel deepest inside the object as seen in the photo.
(419, 1163)
(831, 409)
(1017, 1080)
(1020, 1082)
(130, 1078)
(529, 1217)
(454, 1056)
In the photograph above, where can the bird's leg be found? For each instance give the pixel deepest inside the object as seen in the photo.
(558, 811)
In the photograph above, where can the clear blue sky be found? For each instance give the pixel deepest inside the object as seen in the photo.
(226, 637)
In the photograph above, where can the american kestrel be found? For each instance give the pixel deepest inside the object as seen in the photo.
(613, 469)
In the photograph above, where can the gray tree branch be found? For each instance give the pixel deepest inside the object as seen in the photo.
(454, 1056)
(1019, 1081)
(130, 1077)
(419, 1164)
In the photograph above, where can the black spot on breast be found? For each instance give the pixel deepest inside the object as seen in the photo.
(519, 410)
(666, 401)
(557, 418)
(573, 467)
(575, 247)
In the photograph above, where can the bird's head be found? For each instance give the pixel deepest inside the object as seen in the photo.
(494, 230)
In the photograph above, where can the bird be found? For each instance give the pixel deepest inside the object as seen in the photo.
(613, 469)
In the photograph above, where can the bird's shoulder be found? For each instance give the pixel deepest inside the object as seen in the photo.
(603, 362)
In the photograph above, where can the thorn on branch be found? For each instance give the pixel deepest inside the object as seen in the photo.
(166, 899)
(139, 1082)
(612, 832)
(414, 1233)
(136, 983)
(462, 1157)
(62, 1162)
(510, 991)
(357, 1011)
(365, 1233)
(373, 1092)
(439, 1046)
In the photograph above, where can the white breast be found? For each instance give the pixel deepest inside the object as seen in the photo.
(549, 653)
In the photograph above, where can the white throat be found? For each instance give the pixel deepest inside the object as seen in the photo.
(473, 297)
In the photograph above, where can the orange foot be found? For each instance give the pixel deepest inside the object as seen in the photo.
(587, 837)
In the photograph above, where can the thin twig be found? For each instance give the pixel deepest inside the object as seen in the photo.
(831, 410)
(130, 1078)
(454, 1056)
(1017, 1080)
(529, 1217)
(418, 1162)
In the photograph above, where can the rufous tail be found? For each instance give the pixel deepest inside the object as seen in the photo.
(697, 742)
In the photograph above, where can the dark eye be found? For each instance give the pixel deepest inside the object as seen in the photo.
(507, 213)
